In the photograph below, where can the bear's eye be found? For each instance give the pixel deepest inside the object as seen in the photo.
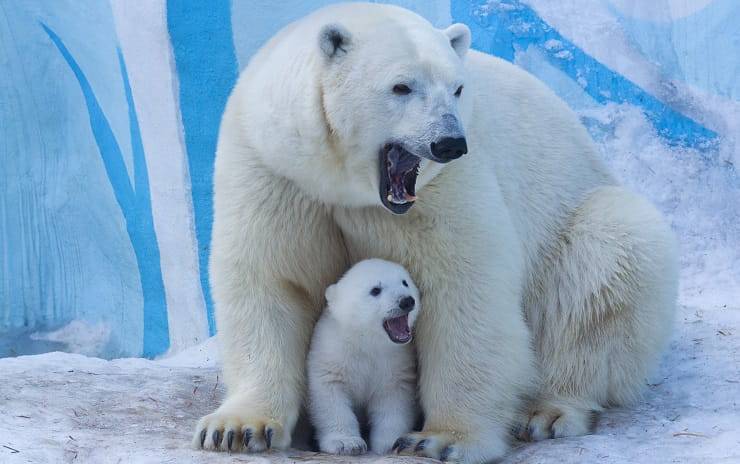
(458, 92)
(401, 89)
(375, 291)
(405, 284)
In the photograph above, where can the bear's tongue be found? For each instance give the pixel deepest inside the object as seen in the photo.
(402, 171)
(398, 329)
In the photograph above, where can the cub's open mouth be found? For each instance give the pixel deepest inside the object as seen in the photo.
(398, 329)
(398, 172)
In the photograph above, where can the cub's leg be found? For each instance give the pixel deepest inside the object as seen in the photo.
(337, 429)
(605, 311)
(392, 413)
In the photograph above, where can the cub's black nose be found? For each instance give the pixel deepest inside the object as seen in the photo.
(407, 303)
(449, 148)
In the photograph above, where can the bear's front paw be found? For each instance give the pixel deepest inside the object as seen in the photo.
(347, 445)
(224, 431)
(451, 447)
(437, 445)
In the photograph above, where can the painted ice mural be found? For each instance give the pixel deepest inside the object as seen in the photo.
(93, 262)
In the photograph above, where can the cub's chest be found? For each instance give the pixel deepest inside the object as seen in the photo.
(367, 371)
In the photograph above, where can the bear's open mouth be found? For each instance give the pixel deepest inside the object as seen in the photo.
(398, 172)
(398, 329)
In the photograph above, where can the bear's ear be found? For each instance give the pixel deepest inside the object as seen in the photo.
(330, 291)
(459, 35)
(334, 40)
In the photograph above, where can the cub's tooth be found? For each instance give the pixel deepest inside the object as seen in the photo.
(390, 198)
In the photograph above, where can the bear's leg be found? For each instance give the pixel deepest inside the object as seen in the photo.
(602, 312)
(263, 342)
(272, 256)
(474, 356)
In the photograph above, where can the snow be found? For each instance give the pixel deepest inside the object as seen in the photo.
(78, 337)
(61, 407)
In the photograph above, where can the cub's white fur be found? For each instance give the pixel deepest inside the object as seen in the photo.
(542, 278)
(354, 366)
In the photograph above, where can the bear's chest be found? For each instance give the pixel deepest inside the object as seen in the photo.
(414, 240)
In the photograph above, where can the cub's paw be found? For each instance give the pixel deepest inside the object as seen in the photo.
(223, 431)
(556, 421)
(347, 445)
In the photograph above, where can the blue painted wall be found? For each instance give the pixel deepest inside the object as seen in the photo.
(66, 253)
(79, 237)
(204, 56)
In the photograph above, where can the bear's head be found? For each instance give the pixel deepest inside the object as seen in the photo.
(392, 88)
(377, 298)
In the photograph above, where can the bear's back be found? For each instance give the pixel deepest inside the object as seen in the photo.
(544, 160)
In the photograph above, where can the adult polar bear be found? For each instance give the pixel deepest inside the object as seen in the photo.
(549, 289)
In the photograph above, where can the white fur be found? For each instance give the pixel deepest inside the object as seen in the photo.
(541, 277)
(353, 366)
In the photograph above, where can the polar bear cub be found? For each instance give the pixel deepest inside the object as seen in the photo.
(361, 359)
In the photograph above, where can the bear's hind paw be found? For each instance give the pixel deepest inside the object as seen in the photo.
(549, 421)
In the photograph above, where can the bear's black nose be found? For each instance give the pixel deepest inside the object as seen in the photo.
(449, 148)
(407, 303)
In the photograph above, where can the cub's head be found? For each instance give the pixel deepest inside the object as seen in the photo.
(376, 297)
(392, 88)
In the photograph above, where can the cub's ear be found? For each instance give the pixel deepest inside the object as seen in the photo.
(459, 35)
(331, 290)
(334, 41)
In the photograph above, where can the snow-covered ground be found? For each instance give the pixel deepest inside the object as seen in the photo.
(60, 407)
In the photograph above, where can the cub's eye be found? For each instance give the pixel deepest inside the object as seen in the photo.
(458, 91)
(401, 89)
(375, 291)
(405, 284)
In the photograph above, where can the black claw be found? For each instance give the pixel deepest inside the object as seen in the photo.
(216, 438)
(230, 439)
(202, 437)
(401, 444)
(247, 437)
(445, 454)
(268, 437)
(396, 444)
(552, 433)
(420, 446)
(593, 420)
